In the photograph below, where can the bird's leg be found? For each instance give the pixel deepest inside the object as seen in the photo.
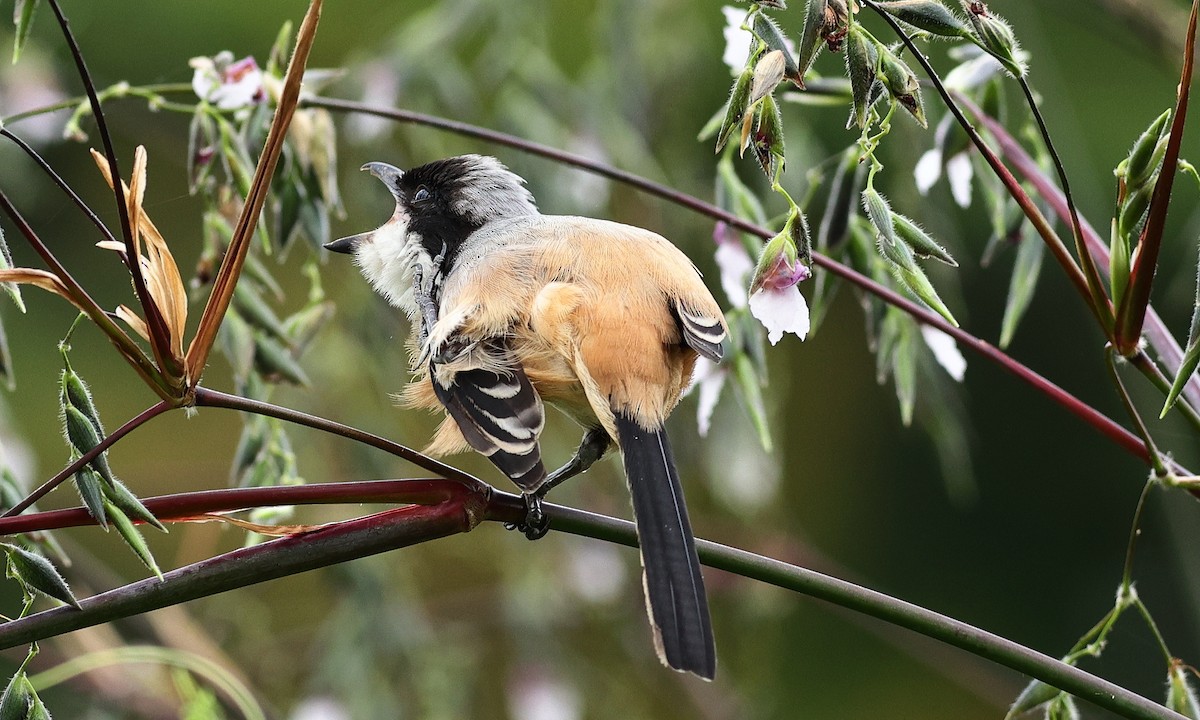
(593, 446)
(425, 304)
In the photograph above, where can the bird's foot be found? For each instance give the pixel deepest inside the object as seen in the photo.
(536, 524)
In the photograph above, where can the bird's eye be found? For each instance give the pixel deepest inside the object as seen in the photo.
(422, 194)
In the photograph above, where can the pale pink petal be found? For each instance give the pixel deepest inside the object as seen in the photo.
(945, 351)
(736, 265)
(959, 172)
(928, 170)
(781, 311)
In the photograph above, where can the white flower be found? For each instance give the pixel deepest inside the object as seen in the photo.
(319, 708)
(708, 379)
(737, 40)
(959, 172)
(928, 170)
(225, 83)
(945, 351)
(780, 310)
(734, 262)
(537, 693)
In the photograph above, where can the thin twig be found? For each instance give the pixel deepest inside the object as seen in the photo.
(1106, 426)
(159, 337)
(213, 398)
(1095, 282)
(1110, 355)
(132, 424)
(129, 350)
(62, 184)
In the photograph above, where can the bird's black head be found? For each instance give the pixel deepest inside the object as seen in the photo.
(446, 200)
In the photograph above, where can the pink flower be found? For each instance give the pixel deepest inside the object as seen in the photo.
(775, 299)
(226, 83)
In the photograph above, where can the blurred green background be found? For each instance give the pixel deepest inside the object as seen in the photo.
(1026, 539)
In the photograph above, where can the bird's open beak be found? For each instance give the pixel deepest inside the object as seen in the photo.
(389, 174)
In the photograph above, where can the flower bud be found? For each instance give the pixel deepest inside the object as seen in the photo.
(129, 533)
(1181, 697)
(1147, 153)
(928, 15)
(768, 138)
(38, 573)
(83, 436)
(768, 73)
(778, 267)
(902, 83)
(995, 35)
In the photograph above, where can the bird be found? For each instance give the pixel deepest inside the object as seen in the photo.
(513, 310)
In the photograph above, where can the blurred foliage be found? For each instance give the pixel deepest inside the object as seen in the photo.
(1013, 518)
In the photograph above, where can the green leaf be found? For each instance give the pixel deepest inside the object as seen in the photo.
(133, 538)
(38, 573)
(904, 366)
(6, 361)
(11, 288)
(1021, 285)
(1191, 356)
(749, 385)
(275, 362)
(23, 18)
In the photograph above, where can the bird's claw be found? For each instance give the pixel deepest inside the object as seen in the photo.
(536, 524)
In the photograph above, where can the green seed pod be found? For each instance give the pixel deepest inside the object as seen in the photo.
(767, 31)
(902, 83)
(1134, 209)
(862, 61)
(1181, 697)
(16, 701)
(928, 15)
(735, 108)
(275, 362)
(920, 241)
(133, 538)
(995, 35)
(768, 138)
(88, 483)
(83, 436)
(76, 394)
(251, 306)
(123, 498)
(879, 212)
(38, 573)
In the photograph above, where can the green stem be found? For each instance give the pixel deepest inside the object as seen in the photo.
(1135, 531)
(238, 695)
(151, 93)
(1158, 636)
(1155, 375)
(1110, 355)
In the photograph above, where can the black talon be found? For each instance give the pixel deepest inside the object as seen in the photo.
(536, 524)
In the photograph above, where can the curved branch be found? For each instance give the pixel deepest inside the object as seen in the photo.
(460, 510)
(1122, 437)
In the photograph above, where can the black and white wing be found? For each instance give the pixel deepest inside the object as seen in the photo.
(496, 408)
(702, 332)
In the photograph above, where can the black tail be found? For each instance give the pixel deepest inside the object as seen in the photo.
(674, 587)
